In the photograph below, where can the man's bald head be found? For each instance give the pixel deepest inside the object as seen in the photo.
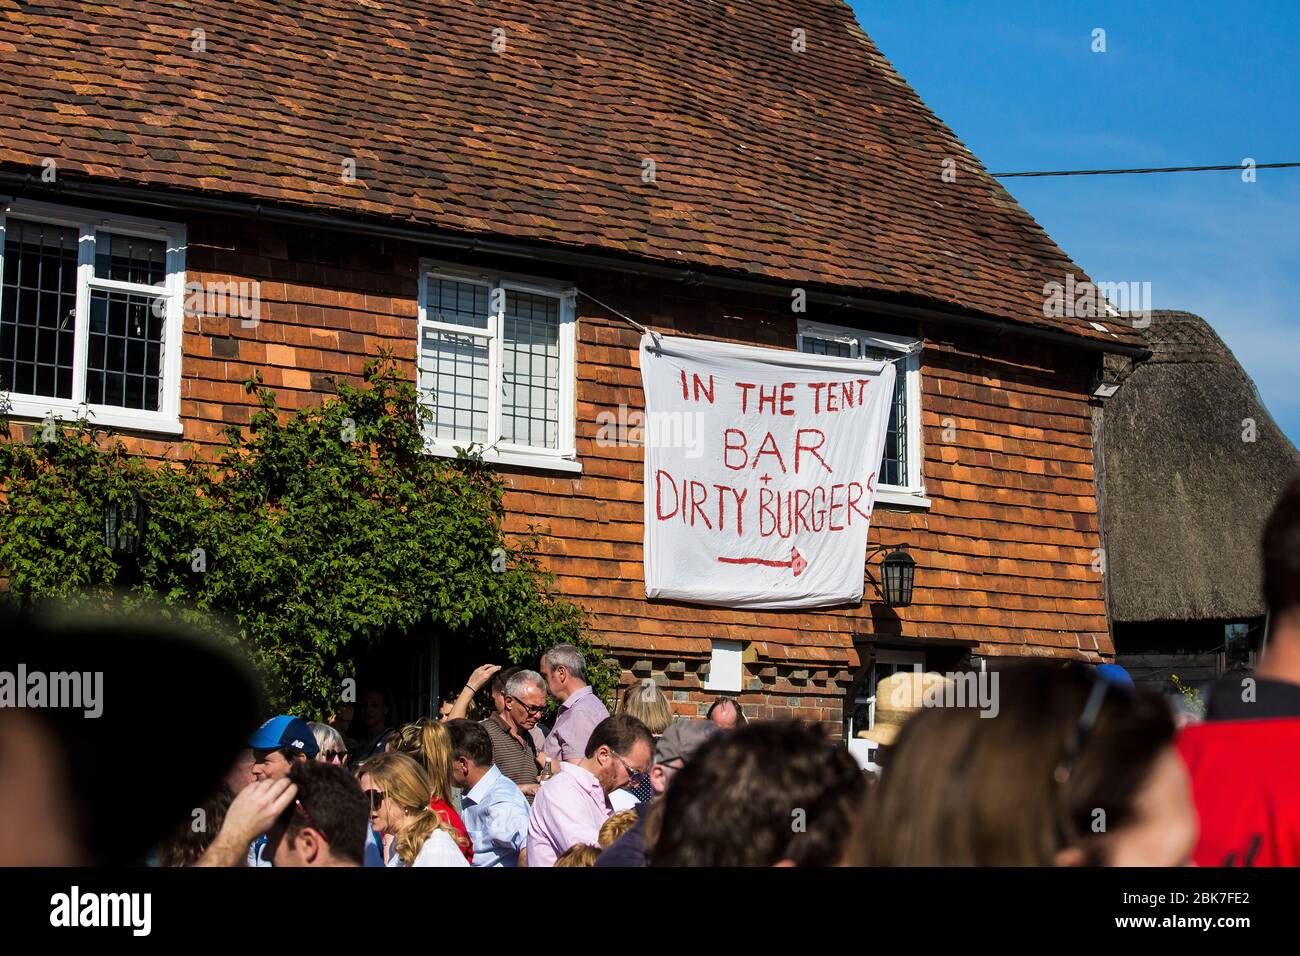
(726, 713)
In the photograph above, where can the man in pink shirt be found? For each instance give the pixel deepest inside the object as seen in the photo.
(580, 709)
(571, 806)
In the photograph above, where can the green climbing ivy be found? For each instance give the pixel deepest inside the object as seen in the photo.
(307, 534)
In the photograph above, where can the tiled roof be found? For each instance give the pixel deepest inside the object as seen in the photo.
(821, 167)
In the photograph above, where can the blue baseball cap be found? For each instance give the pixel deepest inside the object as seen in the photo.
(1115, 674)
(285, 731)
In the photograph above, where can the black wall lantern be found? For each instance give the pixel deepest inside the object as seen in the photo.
(124, 523)
(897, 573)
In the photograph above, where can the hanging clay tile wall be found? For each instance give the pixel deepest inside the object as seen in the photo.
(1006, 552)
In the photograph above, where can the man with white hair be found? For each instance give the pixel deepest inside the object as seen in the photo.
(514, 753)
(580, 711)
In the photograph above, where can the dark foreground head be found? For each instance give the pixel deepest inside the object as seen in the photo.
(775, 792)
(1034, 785)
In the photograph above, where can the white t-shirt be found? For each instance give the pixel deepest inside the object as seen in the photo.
(439, 850)
(622, 799)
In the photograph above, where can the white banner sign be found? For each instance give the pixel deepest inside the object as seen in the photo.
(760, 472)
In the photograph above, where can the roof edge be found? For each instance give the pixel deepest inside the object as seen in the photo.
(24, 183)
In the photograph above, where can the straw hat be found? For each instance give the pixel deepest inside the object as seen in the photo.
(898, 697)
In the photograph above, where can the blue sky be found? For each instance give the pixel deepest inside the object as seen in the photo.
(1182, 83)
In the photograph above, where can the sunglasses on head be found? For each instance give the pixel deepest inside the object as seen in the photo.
(1107, 679)
(306, 816)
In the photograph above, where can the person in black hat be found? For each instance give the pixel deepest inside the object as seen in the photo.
(72, 688)
(37, 825)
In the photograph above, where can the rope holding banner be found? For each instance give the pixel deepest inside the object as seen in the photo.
(626, 318)
(655, 335)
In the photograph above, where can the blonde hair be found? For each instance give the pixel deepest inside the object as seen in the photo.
(644, 701)
(404, 781)
(428, 742)
(580, 854)
(616, 826)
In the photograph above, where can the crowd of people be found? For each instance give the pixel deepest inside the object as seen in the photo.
(1077, 766)
(453, 791)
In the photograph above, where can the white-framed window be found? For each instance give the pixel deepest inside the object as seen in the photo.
(91, 316)
(900, 480)
(887, 663)
(495, 361)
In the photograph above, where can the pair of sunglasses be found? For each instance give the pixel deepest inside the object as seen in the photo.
(306, 816)
(1108, 679)
(635, 777)
(376, 798)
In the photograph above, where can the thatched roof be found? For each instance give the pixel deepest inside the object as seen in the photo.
(1185, 497)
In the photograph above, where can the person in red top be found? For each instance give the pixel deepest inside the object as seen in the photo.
(1244, 760)
(428, 742)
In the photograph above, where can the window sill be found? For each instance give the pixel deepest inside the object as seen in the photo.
(515, 459)
(902, 498)
(99, 416)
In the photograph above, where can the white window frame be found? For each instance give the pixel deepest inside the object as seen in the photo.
(562, 458)
(901, 659)
(89, 223)
(912, 493)
(864, 750)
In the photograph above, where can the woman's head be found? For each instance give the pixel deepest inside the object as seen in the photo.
(398, 789)
(427, 742)
(615, 826)
(330, 747)
(1037, 784)
(644, 701)
(187, 844)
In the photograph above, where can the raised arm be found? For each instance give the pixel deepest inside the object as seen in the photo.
(250, 815)
(477, 681)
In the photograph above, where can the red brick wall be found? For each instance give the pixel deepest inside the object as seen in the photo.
(1004, 554)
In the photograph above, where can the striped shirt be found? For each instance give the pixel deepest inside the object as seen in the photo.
(517, 761)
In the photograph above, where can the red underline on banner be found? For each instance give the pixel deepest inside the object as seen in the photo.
(762, 561)
(797, 563)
